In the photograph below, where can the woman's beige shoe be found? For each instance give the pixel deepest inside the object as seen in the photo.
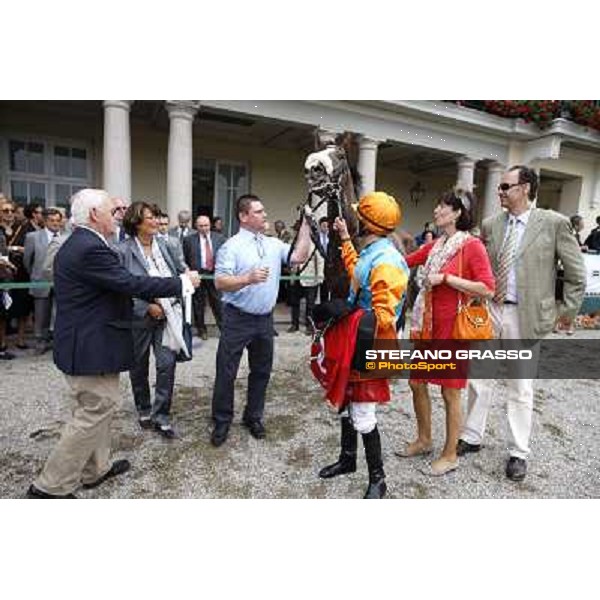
(440, 467)
(416, 450)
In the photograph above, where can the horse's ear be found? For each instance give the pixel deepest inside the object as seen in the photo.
(324, 138)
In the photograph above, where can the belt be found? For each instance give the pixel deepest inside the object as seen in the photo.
(243, 312)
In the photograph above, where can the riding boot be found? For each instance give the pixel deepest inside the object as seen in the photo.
(346, 463)
(377, 486)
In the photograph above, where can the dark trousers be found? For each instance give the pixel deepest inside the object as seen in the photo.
(206, 290)
(297, 292)
(143, 340)
(241, 330)
(324, 293)
(43, 316)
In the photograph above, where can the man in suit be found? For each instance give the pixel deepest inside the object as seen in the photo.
(200, 253)
(120, 207)
(311, 273)
(171, 241)
(592, 241)
(218, 226)
(524, 245)
(184, 219)
(93, 343)
(34, 260)
(324, 294)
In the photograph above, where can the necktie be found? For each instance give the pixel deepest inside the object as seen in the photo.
(259, 246)
(208, 254)
(506, 260)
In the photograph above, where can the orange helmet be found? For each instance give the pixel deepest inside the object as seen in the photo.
(379, 212)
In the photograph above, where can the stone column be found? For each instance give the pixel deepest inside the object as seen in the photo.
(491, 203)
(367, 164)
(116, 178)
(595, 201)
(180, 157)
(538, 172)
(466, 173)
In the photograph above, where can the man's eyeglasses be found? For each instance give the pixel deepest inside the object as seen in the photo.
(117, 209)
(504, 187)
(8, 210)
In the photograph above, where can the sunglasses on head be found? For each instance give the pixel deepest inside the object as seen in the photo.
(504, 187)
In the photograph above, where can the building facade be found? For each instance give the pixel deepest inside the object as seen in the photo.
(201, 155)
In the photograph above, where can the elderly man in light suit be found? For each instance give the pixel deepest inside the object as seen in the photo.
(34, 257)
(524, 245)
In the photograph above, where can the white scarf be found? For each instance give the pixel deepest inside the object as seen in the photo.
(172, 337)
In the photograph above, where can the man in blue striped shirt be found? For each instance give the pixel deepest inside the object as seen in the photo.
(247, 273)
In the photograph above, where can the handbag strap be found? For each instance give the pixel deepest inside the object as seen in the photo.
(461, 295)
(460, 274)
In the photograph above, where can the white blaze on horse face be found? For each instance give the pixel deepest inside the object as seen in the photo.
(319, 168)
(323, 159)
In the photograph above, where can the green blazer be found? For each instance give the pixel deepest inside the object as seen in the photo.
(547, 238)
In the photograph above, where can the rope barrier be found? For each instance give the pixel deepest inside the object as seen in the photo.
(25, 285)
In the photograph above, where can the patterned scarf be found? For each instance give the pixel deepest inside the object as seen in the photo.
(444, 249)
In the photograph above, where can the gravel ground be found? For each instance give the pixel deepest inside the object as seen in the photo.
(302, 436)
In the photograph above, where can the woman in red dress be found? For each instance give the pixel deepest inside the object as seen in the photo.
(455, 262)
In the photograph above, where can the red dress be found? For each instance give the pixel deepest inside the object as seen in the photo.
(444, 299)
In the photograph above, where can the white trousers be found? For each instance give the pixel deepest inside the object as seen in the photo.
(519, 393)
(363, 416)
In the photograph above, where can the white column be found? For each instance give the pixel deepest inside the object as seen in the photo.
(595, 202)
(367, 164)
(466, 173)
(180, 157)
(538, 172)
(116, 179)
(491, 203)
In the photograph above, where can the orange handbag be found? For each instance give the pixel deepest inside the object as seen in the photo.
(473, 320)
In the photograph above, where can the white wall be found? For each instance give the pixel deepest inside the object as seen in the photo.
(398, 183)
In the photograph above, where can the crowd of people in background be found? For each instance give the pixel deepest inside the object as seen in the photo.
(448, 258)
(27, 255)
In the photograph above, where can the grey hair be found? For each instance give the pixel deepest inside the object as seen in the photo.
(186, 215)
(82, 203)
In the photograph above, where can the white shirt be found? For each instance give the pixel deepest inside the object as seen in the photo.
(324, 240)
(521, 225)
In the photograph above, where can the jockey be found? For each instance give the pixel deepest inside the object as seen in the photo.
(378, 281)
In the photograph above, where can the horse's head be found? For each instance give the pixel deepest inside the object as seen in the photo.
(324, 168)
(331, 194)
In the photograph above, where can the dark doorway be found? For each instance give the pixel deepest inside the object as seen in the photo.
(203, 188)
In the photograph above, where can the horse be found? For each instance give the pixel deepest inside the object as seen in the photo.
(332, 184)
